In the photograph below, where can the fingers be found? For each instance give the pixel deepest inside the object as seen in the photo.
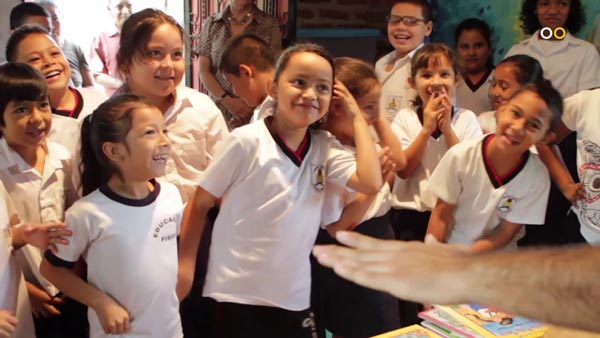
(356, 240)
(50, 311)
(118, 325)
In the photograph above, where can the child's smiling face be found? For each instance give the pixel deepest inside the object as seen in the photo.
(522, 122)
(303, 90)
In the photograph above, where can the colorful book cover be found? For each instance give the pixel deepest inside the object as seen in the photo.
(491, 322)
(413, 331)
(449, 323)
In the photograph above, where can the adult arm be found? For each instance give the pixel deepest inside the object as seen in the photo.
(234, 104)
(558, 286)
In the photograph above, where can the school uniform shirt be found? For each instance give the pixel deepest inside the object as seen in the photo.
(570, 64)
(415, 192)
(266, 108)
(38, 198)
(581, 114)
(396, 93)
(130, 247)
(66, 124)
(13, 291)
(269, 215)
(474, 96)
(487, 121)
(466, 177)
(195, 128)
(338, 197)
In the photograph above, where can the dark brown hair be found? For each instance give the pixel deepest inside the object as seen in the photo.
(357, 75)
(110, 122)
(136, 33)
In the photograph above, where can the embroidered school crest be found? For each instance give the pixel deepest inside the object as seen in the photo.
(392, 103)
(506, 203)
(318, 177)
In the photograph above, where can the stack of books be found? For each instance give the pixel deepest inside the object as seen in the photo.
(477, 321)
(469, 321)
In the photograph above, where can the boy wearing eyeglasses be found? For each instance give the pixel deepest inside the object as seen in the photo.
(409, 23)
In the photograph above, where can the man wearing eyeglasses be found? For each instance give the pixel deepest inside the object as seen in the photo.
(409, 23)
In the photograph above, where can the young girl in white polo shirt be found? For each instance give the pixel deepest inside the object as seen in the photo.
(125, 227)
(271, 177)
(426, 134)
(37, 173)
(152, 58)
(342, 307)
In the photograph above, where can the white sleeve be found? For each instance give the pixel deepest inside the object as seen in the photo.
(83, 234)
(571, 112)
(341, 164)
(532, 208)
(401, 128)
(446, 179)
(471, 128)
(226, 168)
(589, 77)
(216, 130)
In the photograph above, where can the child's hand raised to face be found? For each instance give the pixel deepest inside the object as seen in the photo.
(342, 95)
(434, 111)
(445, 116)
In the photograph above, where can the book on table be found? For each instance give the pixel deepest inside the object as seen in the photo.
(478, 321)
(413, 331)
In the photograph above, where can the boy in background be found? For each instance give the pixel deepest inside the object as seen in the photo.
(248, 63)
(409, 23)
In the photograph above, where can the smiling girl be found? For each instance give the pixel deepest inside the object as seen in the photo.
(152, 58)
(125, 227)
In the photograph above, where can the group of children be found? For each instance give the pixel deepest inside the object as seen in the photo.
(332, 147)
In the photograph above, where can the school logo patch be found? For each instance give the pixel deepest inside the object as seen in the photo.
(392, 103)
(506, 204)
(318, 176)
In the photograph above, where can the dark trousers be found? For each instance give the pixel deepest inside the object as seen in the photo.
(409, 225)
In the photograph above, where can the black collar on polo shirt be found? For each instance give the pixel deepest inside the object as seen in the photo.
(297, 156)
(74, 113)
(497, 179)
(142, 202)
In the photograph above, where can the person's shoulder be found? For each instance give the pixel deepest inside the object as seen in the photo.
(92, 94)
(197, 100)
(87, 205)
(467, 146)
(169, 191)
(537, 168)
(58, 151)
(583, 44)
(385, 59)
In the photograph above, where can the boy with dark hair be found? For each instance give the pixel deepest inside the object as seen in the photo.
(29, 13)
(248, 63)
(488, 188)
(408, 24)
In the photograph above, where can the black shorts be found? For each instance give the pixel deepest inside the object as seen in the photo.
(346, 308)
(409, 225)
(242, 321)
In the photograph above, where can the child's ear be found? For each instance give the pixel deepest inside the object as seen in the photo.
(246, 71)
(428, 28)
(411, 82)
(114, 151)
(273, 89)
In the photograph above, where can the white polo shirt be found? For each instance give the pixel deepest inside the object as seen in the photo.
(130, 247)
(396, 93)
(338, 197)
(473, 96)
(414, 192)
(195, 126)
(38, 198)
(571, 64)
(266, 108)
(270, 214)
(13, 292)
(483, 198)
(582, 115)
